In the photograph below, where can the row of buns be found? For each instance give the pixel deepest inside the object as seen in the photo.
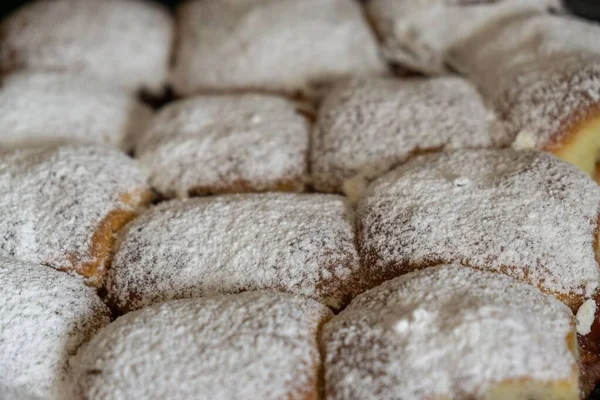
(461, 263)
(520, 219)
(536, 74)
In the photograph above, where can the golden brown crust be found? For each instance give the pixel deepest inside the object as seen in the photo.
(104, 239)
(570, 127)
(295, 184)
(578, 141)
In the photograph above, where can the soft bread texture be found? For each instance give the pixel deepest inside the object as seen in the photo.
(451, 332)
(226, 144)
(419, 34)
(45, 315)
(275, 45)
(48, 108)
(60, 206)
(251, 345)
(295, 243)
(366, 127)
(526, 214)
(123, 42)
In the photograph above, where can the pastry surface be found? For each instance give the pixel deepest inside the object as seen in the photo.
(451, 332)
(251, 345)
(523, 213)
(541, 73)
(418, 35)
(60, 206)
(275, 45)
(45, 315)
(295, 243)
(46, 108)
(366, 127)
(226, 144)
(221, 177)
(123, 42)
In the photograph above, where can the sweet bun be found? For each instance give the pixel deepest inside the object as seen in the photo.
(246, 346)
(366, 127)
(541, 75)
(46, 108)
(218, 144)
(452, 332)
(526, 214)
(417, 35)
(123, 42)
(551, 109)
(274, 45)
(45, 315)
(60, 206)
(295, 243)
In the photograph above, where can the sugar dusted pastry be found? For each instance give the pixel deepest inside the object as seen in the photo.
(451, 332)
(524, 213)
(296, 243)
(275, 45)
(417, 34)
(366, 127)
(124, 42)
(542, 75)
(45, 315)
(45, 108)
(60, 206)
(251, 345)
(557, 109)
(226, 143)
(488, 57)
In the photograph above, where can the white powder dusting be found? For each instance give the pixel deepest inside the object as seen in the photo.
(525, 140)
(540, 73)
(52, 200)
(522, 39)
(247, 346)
(49, 108)
(447, 331)
(126, 42)
(45, 315)
(547, 102)
(365, 127)
(418, 34)
(525, 213)
(225, 143)
(297, 243)
(279, 45)
(585, 317)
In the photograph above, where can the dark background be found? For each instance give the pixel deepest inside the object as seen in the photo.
(585, 8)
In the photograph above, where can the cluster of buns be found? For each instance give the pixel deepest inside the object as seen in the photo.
(305, 218)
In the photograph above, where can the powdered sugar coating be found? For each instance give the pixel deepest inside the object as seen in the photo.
(126, 42)
(366, 127)
(297, 243)
(547, 102)
(53, 200)
(251, 345)
(226, 143)
(524, 213)
(275, 45)
(541, 74)
(49, 108)
(418, 34)
(447, 332)
(45, 315)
